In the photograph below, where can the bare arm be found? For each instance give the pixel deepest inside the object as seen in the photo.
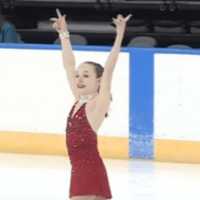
(60, 25)
(105, 87)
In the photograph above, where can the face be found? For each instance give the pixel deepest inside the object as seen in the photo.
(86, 80)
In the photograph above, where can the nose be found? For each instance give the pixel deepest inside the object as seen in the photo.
(80, 80)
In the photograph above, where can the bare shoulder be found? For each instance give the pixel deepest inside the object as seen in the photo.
(95, 112)
(99, 105)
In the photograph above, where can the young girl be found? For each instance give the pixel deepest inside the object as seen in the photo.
(90, 85)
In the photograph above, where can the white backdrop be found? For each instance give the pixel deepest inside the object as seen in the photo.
(177, 96)
(35, 96)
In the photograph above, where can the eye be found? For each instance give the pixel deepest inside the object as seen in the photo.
(86, 76)
(77, 76)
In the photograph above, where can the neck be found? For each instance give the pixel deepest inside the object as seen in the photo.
(87, 97)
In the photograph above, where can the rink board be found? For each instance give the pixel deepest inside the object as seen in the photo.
(165, 111)
(35, 100)
(54, 144)
(177, 106)
(154, 113)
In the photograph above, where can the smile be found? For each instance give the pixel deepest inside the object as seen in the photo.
(81, 86)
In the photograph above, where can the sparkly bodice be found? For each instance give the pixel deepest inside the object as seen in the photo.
(88, 174)
(81, 138)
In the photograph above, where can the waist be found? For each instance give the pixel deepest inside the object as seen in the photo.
(78, 159)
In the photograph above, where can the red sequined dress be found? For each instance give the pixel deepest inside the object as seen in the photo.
(88, 174)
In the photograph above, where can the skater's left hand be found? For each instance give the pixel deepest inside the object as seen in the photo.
(120, 23)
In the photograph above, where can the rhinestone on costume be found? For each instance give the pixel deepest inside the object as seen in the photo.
(83, 153)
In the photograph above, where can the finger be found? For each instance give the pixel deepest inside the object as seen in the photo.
(64, 17)
(53, 19)
(114, 20)
(119, 16)
(58, 13)
(55, 26)
(128, 17)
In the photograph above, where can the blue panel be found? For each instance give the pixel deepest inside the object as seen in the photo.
(141, 104)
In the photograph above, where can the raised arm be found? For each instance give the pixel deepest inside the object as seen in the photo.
(60, 25)
(105, 87)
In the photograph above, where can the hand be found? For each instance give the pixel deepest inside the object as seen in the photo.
(120, 23)
(60, 24)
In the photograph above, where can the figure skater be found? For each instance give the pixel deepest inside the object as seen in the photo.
(90, 85)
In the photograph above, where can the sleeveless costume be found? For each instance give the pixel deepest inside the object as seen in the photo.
(88, 174)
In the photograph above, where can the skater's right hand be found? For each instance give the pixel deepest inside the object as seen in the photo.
(59, 23)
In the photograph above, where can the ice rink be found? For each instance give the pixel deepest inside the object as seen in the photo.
(41, 177)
